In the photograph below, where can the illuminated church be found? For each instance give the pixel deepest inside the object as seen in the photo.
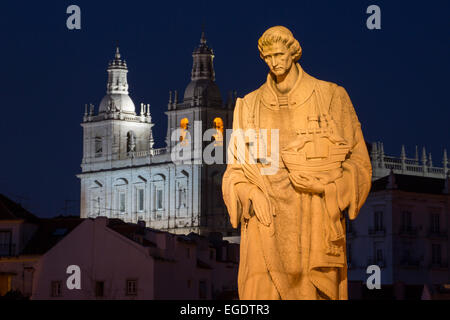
(124, 176)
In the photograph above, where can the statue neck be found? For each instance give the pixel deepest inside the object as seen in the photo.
(284, 84)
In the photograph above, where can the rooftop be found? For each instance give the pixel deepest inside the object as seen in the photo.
(409, 183)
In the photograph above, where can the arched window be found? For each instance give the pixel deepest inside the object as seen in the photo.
(121, 195)
(98, 146)
(159, 197)
(182, 190)
(131, 141)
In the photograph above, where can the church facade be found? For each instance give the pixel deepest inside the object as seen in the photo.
(123, 176)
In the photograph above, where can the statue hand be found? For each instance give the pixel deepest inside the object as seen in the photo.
(261, 206)
(307, 183)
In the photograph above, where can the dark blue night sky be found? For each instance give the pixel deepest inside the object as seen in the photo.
(397, 77)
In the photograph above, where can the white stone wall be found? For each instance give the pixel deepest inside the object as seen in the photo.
(107, 186)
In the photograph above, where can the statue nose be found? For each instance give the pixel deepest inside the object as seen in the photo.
(274, 61)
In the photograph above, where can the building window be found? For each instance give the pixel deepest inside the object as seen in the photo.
(202, 290)
(379, 255)
(435, 223)
(406, 220)
(378, 220)
(95, 206)
(181, 195)
(98, 147)
(436, 254)
(5, 243)
(159, 199)
(99, 288)
(131, 141)
(122, 206)
(56, 288)
(140, 200)
(131, 287)
(5, 284)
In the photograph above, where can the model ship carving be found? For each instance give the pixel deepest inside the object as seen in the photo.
(316, 149)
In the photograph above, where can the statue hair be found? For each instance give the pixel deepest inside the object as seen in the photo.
(280, 34)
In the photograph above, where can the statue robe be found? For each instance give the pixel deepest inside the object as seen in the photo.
(292, 259)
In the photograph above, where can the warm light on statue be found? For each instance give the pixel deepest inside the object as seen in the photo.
(292, 221)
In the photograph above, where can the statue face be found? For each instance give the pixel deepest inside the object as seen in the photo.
(278, 58)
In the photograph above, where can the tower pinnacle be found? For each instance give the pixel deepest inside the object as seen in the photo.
(117, 87)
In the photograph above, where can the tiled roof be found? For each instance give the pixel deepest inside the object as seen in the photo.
(49, 233)
(131, 231)
(10, 210)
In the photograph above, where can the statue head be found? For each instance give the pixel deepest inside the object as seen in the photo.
(218, 123)
(184, 123)
(279, 49)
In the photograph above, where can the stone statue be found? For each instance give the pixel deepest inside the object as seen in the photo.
(292, 222)
(184, 126)
(218, 136)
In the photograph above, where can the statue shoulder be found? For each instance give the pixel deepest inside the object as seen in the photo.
(327, 87)
(243, 108)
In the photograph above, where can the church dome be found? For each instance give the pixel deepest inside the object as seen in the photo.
(119, 101)
(206, 89)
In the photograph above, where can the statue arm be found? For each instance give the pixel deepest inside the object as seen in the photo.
(354, 185)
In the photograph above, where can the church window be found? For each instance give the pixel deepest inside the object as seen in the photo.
(159, 199)
(181, 195)
(131, 141)
(122, 206)
(96, 206)
(98, 147)
(140, 200)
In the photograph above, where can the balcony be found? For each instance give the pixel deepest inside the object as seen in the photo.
(437, 234)
(377, 232)
(408, 231)
(146, 153)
